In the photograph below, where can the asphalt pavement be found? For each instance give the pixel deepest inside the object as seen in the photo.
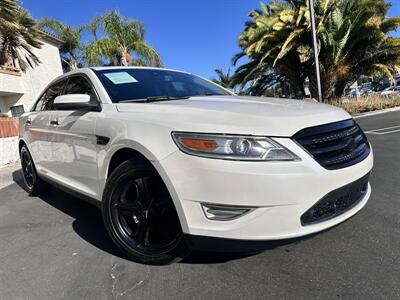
(56, 247)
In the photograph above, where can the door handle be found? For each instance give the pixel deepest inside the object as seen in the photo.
(54, 122)
(28, 122)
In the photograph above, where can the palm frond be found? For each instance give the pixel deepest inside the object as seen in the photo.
(352, 40)
(18, 36)
(122, 43)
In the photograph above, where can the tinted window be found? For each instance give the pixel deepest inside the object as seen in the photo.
(128, 84)
(46, 101)
(80, 85)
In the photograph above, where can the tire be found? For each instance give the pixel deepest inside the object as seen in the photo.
(33, 183)
(140, 216)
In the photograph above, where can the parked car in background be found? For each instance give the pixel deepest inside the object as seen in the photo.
(380, 87)
(354, 93)
(177, 162)
(390, 90)
(366, 92)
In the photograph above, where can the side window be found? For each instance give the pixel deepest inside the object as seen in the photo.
(46, 101)
(39, 104)
(80, 85)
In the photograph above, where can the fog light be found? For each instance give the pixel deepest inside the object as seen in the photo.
(218, 212)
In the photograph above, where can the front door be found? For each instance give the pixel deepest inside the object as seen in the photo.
(74, 142)
(37, 124)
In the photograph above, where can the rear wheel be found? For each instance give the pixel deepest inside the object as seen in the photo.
(33, 183)
(140, 216)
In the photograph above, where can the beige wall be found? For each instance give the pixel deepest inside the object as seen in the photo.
(25, 89)
(6, 101)
(8, 150)
(49, 69)
(11, 84)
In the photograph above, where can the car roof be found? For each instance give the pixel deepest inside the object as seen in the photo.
(102, 68)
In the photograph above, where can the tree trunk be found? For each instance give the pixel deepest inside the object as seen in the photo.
(340, 86)
(3, 56)
(123, 61)
(297, 84)
(126, 59)
(73, 64)
(294, 74)
(313, 85)
(328, 90)
(327, 87)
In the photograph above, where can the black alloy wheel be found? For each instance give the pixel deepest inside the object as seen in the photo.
(27, 169)
(33, 183)
(140, 215)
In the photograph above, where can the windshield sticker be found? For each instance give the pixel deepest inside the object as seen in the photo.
(120, 77)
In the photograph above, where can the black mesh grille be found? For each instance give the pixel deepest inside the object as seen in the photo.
(336, 202)
(335, 145)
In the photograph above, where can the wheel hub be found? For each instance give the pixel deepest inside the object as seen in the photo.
(144, 215)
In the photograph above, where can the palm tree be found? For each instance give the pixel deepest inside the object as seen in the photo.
(262, 41)
(224, 79)
(18, 36)
(352, 36)
(7, 11)
(123, 42)
(71, 49)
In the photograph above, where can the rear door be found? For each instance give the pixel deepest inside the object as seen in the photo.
(74, 142)
(38, 129)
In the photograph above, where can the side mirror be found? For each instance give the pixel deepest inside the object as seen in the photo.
(74, 102)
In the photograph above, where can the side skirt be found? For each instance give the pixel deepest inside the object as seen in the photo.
(76, 194)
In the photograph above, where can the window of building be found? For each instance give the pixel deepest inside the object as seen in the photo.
(17, 110)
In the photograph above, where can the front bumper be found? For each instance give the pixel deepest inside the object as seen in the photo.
(281, 191)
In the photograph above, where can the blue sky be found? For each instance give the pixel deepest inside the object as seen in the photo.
(195, 36)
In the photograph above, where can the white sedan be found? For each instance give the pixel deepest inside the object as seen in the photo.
(177, 162)
(390, 90)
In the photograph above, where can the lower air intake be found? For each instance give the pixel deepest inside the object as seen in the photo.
(336, 202)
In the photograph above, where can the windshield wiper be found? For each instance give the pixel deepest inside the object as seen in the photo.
(162, 98)
(210, 94)
(154, 99)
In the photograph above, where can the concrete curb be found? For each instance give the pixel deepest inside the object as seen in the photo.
(377, 112)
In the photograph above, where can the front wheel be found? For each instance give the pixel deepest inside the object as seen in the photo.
(140, 216)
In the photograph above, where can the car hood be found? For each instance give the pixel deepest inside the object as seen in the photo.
(235, 114)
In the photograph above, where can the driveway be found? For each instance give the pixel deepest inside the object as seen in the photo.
(56, 247)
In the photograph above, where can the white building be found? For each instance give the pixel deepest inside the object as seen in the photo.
(19, 90)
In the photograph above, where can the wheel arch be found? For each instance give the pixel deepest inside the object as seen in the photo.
(121, 155)
(128, 151)
(21, 143)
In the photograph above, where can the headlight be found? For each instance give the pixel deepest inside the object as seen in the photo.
(233, 147)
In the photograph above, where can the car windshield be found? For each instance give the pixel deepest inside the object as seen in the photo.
(127, 84)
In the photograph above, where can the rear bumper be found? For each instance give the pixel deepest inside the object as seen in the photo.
(281, 192)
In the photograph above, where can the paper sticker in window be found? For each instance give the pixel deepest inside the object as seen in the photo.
(120, 77)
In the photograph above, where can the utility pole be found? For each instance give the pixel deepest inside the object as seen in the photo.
(315, 46)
